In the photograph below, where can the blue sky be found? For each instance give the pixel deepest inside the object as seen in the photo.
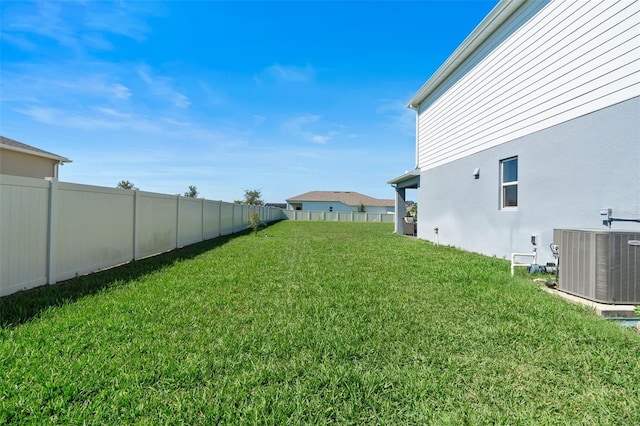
(285, 97)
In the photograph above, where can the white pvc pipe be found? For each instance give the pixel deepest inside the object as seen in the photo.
(533, 255)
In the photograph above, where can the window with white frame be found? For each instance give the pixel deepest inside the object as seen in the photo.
(509, 183)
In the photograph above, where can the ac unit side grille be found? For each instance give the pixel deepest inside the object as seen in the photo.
(602, 262)
(599, 265)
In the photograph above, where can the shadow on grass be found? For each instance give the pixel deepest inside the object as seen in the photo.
(22, 307)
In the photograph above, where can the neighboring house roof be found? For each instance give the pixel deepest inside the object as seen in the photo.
(500, 13)
(14, 145)
(349, 198)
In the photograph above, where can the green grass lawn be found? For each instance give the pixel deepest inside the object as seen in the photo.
(312, 323)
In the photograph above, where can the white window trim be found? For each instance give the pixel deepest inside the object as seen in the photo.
(504, 184)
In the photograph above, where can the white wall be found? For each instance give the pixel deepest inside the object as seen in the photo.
(566, 174)
(550, 63)
(51, 231)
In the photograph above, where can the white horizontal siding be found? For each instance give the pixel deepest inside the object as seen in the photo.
(569, 59)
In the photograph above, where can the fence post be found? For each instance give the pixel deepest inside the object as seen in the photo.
(52, 237)
(135, 224)
(177, 220)
(220, 218)
(202, 221)
(233, 216)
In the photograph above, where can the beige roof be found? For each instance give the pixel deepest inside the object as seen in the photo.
(14, 145)
(349, 198)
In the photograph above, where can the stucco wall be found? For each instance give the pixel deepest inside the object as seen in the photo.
(567, 173)
(20, 164)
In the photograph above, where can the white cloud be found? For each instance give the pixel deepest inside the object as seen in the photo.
(397, 115)
(320, 139)
(304, 119)
(96, 42)
(60, 21)
(112, 112)
(95, 84)
(162, 87)
(208, 95)
(310, 127)
(181, 101)
(19, 41)
(120, 91)
(96, 118)
(290, 73)
(28, 83)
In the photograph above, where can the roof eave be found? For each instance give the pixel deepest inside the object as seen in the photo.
(58, 158)
(404, 177)
(498, 15)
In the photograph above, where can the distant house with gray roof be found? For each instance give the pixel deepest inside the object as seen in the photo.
(339, 201)
(20, 159)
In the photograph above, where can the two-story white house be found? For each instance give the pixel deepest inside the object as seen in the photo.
(533, 123)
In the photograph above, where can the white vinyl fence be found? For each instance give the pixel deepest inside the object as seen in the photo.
(52, 231)
(339, 216)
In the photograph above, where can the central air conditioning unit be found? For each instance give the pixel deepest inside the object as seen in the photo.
(599, 265)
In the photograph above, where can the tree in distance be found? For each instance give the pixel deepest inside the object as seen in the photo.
(251, 197)
(125, 184)
(192, 192)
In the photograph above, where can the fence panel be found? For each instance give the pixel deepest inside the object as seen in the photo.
(359, 217)
(344, 217)
(226, 226)
(335, 216)
(156, 223)
(211, 219)
(24, 217)
(380, 217)
(51, 231)
(93, 229)
(189, 221)
(238, 214)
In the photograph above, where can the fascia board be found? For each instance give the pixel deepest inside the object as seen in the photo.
(498, 15)
(36, 153)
